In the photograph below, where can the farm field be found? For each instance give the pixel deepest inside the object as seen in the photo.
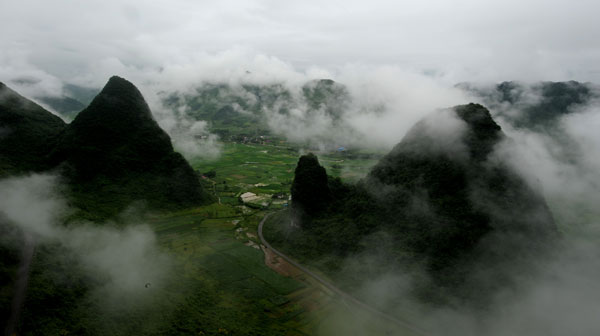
(267, 169)
(218, 280)
(225, 283)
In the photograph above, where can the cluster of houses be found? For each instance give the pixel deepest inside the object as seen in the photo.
(254, 139)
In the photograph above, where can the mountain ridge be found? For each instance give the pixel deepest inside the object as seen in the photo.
(27, 133)
(446, 204)
(113, 154)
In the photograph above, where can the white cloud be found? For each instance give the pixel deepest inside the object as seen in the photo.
(466, 39)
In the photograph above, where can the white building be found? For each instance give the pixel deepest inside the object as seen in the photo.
(248, 197)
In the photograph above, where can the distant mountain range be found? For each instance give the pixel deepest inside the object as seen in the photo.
(72, 100)
(27, 133)
(536, 106)
(245, 109)
(112, 154)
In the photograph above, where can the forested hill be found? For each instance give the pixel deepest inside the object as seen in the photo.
(112, 154)
(245, 109)
(447, 205)
(27, 133)
(535, 106)
(115, 151)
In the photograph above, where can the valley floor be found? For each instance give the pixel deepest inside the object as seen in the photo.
(218, 246)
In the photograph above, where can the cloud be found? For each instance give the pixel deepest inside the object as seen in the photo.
(561, 162)
(382, 101)
(559, 294)
(398, 62)
(466, 40)
(124, 258)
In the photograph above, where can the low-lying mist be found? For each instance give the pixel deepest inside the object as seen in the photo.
(383, 101)
(122, 260)
(562, 295)
(559, 295)
(559, 298)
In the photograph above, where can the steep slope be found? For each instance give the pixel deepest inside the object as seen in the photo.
(455, 196)
(114, 153)
(27, 133)
(439, 202)
(310, 190)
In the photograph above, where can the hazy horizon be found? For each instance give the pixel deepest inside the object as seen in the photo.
(465, 40)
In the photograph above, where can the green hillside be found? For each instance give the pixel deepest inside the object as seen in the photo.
(447, 209)
(114, 153)
(235, 111)
(27, 133)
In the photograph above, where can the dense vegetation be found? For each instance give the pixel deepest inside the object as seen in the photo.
(449, 210)
(238, 111)
(27, 133)
(535, 106)
(215, 284)
(433, 203)
(310, 190)
(116, 152)
(10, 241)
(112, 154)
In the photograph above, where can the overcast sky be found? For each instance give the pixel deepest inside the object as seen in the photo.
(458, 40)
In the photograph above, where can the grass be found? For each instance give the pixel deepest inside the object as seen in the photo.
(244, 165)
(241, 294)
(267, 169)
(217, 285)
(204, 243)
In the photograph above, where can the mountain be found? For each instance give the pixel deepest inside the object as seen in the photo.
(66, 102)
(327, 95)
(115, 151)
(310, 189)
(27, 133)
(245, 109)
(112, 154)
(74, 99)
(445, 204)
(536, 106)
(456, 196)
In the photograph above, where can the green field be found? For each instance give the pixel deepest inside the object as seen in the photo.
(217, 282)
(267, 169)
(209, 253)
(246, 297)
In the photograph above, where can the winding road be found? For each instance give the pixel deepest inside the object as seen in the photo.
(345, 296)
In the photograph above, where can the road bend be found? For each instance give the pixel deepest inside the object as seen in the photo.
(345, 296)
